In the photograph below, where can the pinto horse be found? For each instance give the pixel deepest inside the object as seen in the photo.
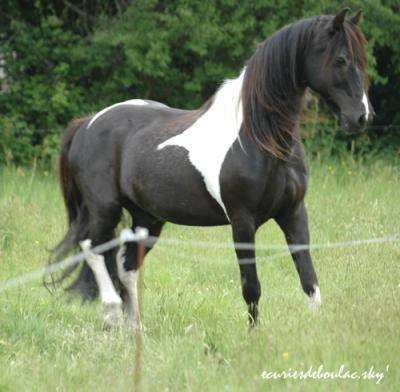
(237, 160)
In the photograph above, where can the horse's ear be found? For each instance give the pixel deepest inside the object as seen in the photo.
(356, 18)
(339, 19)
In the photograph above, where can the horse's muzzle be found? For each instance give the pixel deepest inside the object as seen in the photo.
(354, 123)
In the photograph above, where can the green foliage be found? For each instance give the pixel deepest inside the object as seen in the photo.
(15, 142)
(67, 59)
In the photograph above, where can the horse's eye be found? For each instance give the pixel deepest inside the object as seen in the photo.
(340, 60)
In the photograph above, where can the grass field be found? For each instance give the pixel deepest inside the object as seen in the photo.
(196, 336)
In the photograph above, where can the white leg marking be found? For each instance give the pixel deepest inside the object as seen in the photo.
(108, 295)
(314, 300)
(366, 105)
(129, 280)
(210, 137)
(135, 102)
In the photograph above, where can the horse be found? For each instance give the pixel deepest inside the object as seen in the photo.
(237, 160)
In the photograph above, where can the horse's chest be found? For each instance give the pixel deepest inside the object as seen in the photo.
(283, 192)
(296, 186)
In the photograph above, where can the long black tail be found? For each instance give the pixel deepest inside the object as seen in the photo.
(78, 222)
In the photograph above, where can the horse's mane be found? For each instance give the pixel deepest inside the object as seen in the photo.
(274, 81)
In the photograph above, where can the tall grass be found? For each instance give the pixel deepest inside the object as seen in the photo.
(196, 336)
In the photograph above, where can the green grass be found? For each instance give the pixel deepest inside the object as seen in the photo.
(196, 335)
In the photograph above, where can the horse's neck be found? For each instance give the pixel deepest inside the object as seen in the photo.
(227, 101)
(222, 120)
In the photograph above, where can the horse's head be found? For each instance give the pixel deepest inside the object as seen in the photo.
(336, 68)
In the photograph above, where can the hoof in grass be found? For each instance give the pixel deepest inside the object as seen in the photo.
(314, 300)
(112, 316)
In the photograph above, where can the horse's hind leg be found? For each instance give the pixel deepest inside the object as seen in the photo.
(101, 229)
(295, 228)
(128, 266)
(108, 295)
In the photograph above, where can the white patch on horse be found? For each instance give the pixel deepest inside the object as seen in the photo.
(314, 300)
(366, 105)
(135, 102)
(129, 279)
(210, 137)
(109, 296)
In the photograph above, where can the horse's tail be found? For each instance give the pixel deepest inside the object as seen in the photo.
(78, 222)
(71, 194)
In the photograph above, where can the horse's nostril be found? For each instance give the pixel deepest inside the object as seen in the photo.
(362, 120)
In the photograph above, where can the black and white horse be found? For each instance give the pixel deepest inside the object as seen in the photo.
(237, 160)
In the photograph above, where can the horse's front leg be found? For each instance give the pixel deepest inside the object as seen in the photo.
(295, 228)
(243, 228)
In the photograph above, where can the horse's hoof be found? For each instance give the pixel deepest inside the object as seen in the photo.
(253, 323)
(112, 316)
(134, 325)
(253, 315)
(314, 300)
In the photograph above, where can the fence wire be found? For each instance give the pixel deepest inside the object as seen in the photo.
(141, 235)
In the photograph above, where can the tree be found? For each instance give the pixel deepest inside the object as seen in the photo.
(66, 59)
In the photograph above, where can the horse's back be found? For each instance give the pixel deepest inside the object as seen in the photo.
(108, 131)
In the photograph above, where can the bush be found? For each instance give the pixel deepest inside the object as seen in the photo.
(16, 143)
(66, 59)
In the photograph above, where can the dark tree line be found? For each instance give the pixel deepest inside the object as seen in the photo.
(63, 59)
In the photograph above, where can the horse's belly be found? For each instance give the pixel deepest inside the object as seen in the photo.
(166, 185)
